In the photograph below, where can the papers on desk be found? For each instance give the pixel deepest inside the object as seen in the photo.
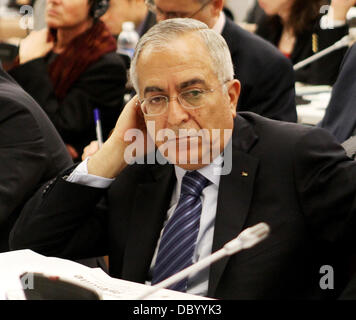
(15, 263)
(312, 102)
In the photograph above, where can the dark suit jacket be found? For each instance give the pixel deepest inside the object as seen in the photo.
(101, 86)
(321, 72)
(340, 115)
(293, 184)
(266, 76)
(31, 152)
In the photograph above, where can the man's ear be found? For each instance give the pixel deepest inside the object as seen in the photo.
(217, 6)
(233, 91)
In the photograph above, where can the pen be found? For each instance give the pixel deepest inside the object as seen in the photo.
(99, 134)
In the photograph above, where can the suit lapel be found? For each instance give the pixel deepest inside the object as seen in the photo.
(235, 194)
(150, 208)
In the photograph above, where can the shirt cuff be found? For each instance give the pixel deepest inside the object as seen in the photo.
(81, 176)
(326, 22)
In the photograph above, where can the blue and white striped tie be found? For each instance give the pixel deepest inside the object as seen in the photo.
(179, 237)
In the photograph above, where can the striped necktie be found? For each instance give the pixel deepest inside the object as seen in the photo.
(179, 237)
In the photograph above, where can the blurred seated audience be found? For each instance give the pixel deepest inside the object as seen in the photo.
(31, 152)
(297, 28)
(266, 76)
(71, 68)
(151, 20)
(340, 115)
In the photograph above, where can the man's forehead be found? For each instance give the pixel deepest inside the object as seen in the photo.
(177, 58)
(180, 85)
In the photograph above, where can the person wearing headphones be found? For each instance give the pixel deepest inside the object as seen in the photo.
(71, 67)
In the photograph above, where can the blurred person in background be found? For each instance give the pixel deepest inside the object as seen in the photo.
(266, 76)
(297, 28)
(71, 68)
(31, 152)
(124, 10)
(340, 115)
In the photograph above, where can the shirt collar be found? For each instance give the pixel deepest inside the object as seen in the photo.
(220, 24)
(211, 171)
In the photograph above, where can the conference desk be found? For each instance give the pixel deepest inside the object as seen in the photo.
(311, 103)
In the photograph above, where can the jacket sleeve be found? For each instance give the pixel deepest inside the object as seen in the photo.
(326, 184)
(23, 156)
(63, 219)
(340, 115)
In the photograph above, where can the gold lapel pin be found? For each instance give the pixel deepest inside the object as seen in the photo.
(244, 174)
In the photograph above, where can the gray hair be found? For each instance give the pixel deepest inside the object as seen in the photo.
(160, 35)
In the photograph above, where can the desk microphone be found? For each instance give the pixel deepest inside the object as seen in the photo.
(346, 41)
(245, 240)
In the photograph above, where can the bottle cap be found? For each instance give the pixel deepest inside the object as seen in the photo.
(128, 26)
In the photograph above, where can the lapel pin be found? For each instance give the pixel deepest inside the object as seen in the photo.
(244, 174)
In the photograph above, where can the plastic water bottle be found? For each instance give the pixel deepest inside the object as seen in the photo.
(127, 39)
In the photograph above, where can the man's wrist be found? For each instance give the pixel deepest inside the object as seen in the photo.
(108, 162)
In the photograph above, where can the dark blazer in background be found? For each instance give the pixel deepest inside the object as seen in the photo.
(267, 77)
(31, 152)
(321, 72)
(299, 181)
(101, 86)
(340, 115)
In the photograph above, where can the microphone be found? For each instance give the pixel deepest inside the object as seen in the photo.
(245, 240)
(346, 41)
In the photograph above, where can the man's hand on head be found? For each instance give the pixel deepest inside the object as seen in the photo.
(109, 161)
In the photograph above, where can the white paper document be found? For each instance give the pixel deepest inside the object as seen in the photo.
(15, 263)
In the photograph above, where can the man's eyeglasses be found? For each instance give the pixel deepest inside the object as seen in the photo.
(170, 15)
(190, 99)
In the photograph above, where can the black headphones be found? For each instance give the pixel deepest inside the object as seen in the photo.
(98, 8)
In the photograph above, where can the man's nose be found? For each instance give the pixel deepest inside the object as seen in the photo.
(176, 112)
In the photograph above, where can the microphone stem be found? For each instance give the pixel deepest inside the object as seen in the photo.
(344, 42)
(186, 272)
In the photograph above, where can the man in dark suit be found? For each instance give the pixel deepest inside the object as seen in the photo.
(249, 169)
(266, 76)
(31, 152)
(340, 115)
